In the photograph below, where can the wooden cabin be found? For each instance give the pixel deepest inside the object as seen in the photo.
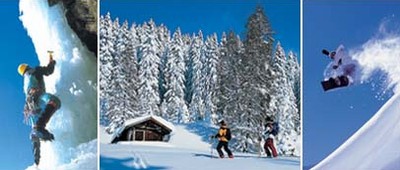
(147, 128)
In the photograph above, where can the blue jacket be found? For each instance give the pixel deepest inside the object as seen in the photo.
(34, 85)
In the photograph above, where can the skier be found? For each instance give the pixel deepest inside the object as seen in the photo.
(269, 134)
(39, 105)
(223, 135)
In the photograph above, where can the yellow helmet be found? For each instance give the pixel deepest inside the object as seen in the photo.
(22, 68)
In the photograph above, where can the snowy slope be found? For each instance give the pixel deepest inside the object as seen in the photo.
(73, 81)
(186, 150)
(375, 144)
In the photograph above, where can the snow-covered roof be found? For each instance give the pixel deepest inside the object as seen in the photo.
(138, 120)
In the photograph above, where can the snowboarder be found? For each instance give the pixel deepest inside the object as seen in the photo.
(341, 71)
(269, 135)
(223, 135)
(39, 105)
(336, 60)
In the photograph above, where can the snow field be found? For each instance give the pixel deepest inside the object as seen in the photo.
(186, 150)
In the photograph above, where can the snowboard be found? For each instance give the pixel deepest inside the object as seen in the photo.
(333, 83)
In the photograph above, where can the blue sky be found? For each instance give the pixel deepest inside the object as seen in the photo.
(332, 117)
(16, 47)
(211, 16)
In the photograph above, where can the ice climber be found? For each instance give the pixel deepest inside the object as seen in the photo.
(39, 105)
(223, 135)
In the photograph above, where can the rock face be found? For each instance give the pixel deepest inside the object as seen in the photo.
(82, 18)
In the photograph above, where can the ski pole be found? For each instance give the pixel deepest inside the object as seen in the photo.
(211, 147)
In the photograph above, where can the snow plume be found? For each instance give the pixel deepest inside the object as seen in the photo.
(73, 81)
(381, 54)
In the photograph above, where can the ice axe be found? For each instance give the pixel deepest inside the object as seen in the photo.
(50, 54)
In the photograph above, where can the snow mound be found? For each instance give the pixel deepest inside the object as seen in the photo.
(183, 138)
(85, 157)
(104, 136)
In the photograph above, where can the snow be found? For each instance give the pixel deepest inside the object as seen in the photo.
(74, 79)
(381, 55)
(105, 137)
(187, 140)
(185, 150)
(374, 145)
(148, 117)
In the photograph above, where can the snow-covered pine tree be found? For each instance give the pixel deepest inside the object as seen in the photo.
(120, 93)
(148, 92)
(211, 54)
(187, 43)
(174, 104)
(129, 83)
(113, 109)
(221, 73)
(163, 36)
(294, 78)
(230, 79)
(189, 71)
(279, 87)
(106, 65)
(141, 40)
(256, 79)
(290, 141)
(196, 106)
(281, 100)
